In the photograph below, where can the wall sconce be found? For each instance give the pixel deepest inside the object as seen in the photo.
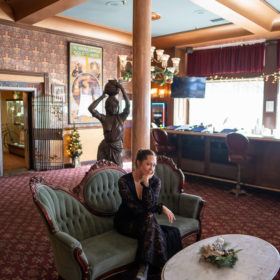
(158, 91)
(161, 93)
(154, 91)
(125, 68)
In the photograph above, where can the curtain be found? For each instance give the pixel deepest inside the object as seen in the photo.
(244, 59)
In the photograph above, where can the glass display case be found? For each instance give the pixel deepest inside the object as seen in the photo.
(13, 131)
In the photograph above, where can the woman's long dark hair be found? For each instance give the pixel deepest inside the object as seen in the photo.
(143, 154)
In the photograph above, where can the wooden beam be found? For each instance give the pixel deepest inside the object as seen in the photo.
(252, 15)
(33, 11)
(205, 35)
(6, 12)
(68, 25)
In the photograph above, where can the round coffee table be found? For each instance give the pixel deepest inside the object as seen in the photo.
(258, 260)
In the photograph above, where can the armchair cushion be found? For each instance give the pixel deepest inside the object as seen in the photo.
(185, 225)
(108, 251)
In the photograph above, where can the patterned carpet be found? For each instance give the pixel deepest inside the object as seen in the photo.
(25, 251)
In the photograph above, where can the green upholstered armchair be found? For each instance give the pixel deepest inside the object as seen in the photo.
(85, 245)
(186, 207)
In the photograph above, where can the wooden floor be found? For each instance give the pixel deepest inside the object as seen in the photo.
(13, 164)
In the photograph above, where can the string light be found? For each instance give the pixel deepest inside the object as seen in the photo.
(273, 77)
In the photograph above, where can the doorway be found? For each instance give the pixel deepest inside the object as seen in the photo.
(15, 131)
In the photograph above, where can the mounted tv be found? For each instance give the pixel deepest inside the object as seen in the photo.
(188, 87)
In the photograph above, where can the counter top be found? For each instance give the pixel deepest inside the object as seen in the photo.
(223, 135)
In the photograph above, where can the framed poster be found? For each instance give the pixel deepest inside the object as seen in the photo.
(85, 81)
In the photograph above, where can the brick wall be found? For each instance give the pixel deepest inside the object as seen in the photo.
(34, 49)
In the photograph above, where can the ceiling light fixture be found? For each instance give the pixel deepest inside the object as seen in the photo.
(116, 3)
(155, 16)
(160, 72)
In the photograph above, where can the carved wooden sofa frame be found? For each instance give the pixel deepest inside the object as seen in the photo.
(92, 202)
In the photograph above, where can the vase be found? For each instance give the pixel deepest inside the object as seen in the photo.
(76, 162)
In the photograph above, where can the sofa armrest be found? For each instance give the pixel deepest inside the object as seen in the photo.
(190, 206)
(67, 240)
(71, 262)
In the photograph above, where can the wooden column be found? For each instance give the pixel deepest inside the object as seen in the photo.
(141, 75)
(270, 89)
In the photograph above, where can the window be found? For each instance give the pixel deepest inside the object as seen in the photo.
(229, 104)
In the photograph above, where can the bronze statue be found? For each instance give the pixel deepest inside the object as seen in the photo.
(111, 146)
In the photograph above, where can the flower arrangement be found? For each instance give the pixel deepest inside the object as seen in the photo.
(218, 255)
(74, 148)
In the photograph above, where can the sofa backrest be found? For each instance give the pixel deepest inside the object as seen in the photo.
(99, 188)
(172, 182)
(63, 212)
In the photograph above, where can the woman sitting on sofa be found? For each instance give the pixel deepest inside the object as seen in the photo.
(135, 218)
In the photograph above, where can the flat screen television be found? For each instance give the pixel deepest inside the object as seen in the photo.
(188, 87)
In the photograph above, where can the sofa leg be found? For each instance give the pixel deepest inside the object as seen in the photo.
(198, 236)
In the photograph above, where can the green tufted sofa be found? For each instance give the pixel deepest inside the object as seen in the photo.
(80, 224)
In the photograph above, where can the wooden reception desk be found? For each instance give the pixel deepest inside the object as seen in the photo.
(205, 154)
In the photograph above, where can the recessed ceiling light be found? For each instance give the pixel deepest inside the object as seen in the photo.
(217, 19)
(116, 3)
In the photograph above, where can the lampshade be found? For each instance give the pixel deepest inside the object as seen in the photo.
(160, 72)
(123, 60)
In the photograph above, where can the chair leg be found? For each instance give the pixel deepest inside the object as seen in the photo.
(237, 190)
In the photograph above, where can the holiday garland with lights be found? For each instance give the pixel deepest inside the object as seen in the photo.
(74, 147)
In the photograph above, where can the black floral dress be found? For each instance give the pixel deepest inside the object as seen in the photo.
(135, 218)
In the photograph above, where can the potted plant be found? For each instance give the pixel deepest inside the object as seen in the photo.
(74, 147)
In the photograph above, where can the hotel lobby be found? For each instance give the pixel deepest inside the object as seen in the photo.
(201, 83)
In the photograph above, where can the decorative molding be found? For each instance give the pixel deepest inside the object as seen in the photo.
(70, 35)
(23, 73)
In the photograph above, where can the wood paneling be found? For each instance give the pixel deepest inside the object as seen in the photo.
(33, 11)
(206, 154)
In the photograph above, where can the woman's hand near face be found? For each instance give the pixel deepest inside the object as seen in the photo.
(169, 214)
(146, 177)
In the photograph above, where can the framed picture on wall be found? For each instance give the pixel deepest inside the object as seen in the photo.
(85, 81)
(58, 91)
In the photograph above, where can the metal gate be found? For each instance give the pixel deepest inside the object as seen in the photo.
(47, 132)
